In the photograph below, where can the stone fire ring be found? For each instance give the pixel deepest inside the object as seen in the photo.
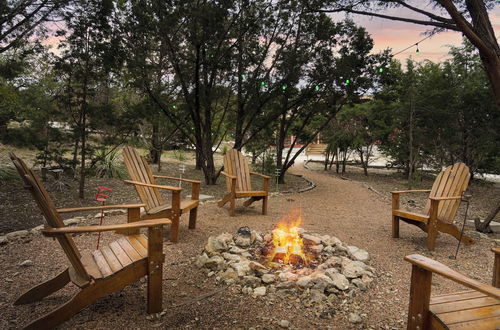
(337, 273)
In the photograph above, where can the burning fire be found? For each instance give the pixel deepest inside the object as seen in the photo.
(288, 247)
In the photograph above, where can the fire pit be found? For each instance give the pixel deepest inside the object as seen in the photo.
(287, 262)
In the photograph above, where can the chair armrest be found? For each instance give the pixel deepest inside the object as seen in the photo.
(104, 207)
(261, 175)
(228, 175)
(174, 178)
(445, 271)
(446, 198)
(410, 191)
(51, 232)
(153, 185)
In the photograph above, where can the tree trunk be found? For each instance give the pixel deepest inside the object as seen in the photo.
(154, 156)
(484, 226)
(410, 137)
(280, 145)
(363, 162)
(83, 153)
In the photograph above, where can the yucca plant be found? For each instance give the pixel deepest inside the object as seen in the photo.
(108, 165)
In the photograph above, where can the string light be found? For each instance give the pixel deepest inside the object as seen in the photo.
(174, 107)
(243, 76)
(283, 87)
(317, 87)
(263, 83)
(348, 81)
(417, 52)
(381, 69)
(416, 44)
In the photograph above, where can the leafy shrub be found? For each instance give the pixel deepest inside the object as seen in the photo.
(108, 165)
(7, 174)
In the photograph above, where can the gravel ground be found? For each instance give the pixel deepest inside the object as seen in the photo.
(337, 207)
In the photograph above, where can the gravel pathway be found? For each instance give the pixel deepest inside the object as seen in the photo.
(337, 207)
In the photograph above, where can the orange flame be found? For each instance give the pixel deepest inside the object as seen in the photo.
(287, 241)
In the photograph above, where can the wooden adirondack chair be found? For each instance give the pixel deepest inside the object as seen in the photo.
(476, 309)
(149, 193)
(238, 183)
(441, 208)
(103, 271)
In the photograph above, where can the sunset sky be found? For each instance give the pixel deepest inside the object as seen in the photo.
(399, 35)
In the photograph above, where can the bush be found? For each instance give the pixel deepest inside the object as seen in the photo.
(7, 174)
(108, 165)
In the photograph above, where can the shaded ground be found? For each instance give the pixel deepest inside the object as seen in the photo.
(337, 207)
(15, 215)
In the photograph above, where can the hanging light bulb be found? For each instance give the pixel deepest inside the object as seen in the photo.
(381, 69)
(317, 87)
(417, 52)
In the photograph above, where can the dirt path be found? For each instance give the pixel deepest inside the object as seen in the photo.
(337, 207)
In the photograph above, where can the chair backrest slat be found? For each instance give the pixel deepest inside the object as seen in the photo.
(453, 181)
(50, 214)
(236, 164)
(139, 170)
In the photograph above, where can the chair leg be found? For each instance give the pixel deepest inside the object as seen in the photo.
(432, 229)
(155, 269)
(250, 201)
(88, 295)
(64, 312)
(264, 205)
(224, 200)
(395, 226)
(192, 218)
(453, 231)
(420, 294)
(174, 230)
(44, 289)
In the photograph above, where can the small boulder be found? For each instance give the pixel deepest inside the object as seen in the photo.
(354, 318)
(284, 324)
(230, 256)
(217, 244)
(201, 260)
(340, 281)
(310, 239)
(214, 263)
(259, 292)
(26, 263)
(17, 234)
(73, 221)
(236, 250)
(268, 278)
(229, 276)
(358, 254)
(351, 269)
(243, 241)
(359, 283)
(252, 281)
(305, 282)
(242, 268)
(257, 266)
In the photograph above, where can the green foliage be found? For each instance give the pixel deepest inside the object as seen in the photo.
(455, 117)
(108, 164)
(7, 174)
